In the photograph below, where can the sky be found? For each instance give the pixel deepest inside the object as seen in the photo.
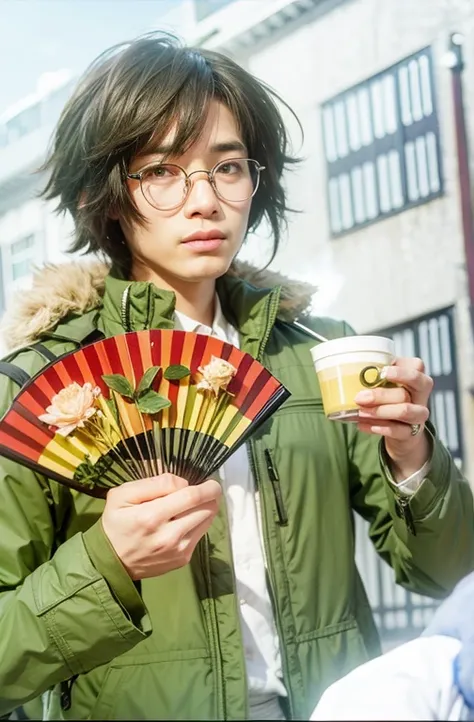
(40, 36)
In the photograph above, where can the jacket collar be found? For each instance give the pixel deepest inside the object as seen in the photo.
(67, 299)
(138, 305)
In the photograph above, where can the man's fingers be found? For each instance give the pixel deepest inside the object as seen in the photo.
(396, 430)
(405, 374)
(185, 524)
(410, 362)
(185, 500)
(138, 492)
(383, 395)
(198, 532)
(406, 412)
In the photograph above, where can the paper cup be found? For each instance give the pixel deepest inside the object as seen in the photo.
(346, 366)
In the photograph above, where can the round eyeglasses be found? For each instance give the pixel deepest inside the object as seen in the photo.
(166, 186)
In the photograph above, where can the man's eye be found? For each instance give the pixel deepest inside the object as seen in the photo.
(230, 168)
(162, 171)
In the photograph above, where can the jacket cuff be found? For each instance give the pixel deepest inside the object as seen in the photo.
(433, 486)
(105, 560)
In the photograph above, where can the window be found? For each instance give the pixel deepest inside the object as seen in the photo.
(204, 8)
(432, 339)
(381, 142)
(22, 254)
(18, 258)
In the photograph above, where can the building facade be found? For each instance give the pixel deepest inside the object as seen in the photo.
(30, 232)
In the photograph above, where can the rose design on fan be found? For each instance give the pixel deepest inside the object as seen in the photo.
(217, 375)
(71, 408)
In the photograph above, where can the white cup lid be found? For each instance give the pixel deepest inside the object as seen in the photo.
(353, 344)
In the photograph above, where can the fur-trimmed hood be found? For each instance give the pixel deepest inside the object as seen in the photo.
(78, 287)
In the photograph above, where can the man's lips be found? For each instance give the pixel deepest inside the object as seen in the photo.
(211, 235)
(204, 240)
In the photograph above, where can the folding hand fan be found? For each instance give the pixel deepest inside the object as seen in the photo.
(137, 405)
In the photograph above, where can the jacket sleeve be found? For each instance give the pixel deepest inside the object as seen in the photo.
(428, 537)
(59, 615)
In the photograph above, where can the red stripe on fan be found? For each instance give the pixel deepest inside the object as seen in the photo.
(98, 364)
(42, 383)
(28, 401)
(57, 377)
(198, 352)
(135, 356)
(37, 395)
(237, 386)
(226, 352)
(72, 367)
(19, 442)
(235, 356)
(29, 424)
(113, 357)
(261, 391)
(177, 343)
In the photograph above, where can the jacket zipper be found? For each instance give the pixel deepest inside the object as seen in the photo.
(270, 576)
(403, 505)
(275, 482)
(271, 310)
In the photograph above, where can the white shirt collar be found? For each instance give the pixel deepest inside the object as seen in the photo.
(220, 328)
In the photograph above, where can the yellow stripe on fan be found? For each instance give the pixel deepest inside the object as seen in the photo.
(238, 431)
(228, 415)
(199, 401)
(181, 402)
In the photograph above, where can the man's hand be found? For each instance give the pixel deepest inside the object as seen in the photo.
(399, 414)
(155, 524)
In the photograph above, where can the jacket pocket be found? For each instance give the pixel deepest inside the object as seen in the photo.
(329, 654)
(175, 685)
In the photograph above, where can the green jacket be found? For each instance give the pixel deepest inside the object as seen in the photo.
(73, 622)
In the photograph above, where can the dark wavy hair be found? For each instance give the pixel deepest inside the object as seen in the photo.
(131, 95)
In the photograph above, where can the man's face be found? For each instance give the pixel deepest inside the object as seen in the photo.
(162, 246)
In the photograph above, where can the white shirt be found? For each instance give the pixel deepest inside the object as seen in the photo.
(261, 643)
(412, 682)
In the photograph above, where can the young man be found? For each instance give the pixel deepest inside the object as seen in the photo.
(171, 602)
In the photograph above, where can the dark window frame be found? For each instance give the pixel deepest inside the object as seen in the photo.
(381, 146)
(443, 382)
